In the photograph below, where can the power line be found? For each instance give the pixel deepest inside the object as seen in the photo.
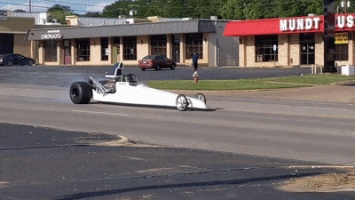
(38, 6)
(23, 4)
(97, 4)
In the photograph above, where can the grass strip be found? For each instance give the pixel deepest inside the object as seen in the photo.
(250, 84)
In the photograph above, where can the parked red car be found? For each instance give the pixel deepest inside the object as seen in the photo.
(156, 62)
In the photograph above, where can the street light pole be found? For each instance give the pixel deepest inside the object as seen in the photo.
(329, 37)
(345, 5)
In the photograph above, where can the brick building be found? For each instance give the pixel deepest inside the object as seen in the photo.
(85, 42)
(292, 41)
(13, 31)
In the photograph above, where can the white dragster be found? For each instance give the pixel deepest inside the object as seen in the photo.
(127, 89)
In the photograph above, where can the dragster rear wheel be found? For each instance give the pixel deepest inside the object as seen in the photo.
(181, 102)
(80, 92)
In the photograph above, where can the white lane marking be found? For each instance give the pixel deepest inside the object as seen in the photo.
(101, 113)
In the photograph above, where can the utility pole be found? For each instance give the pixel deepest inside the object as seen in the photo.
(329, 37)
(29, 6)
(345, 5)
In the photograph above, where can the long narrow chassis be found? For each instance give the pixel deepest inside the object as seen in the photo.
(139, 94)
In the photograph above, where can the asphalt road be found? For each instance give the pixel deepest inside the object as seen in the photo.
(276, 128)
(240, 150)
(43, 163)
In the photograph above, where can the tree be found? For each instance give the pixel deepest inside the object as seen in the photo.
(19, 10)
(234, 9)
(257, 9)
(227, 9)
(206, 9)
(118, 8)
(57, 13)
(92, 14)
(292, 8)
(350, 9)
(166, 8)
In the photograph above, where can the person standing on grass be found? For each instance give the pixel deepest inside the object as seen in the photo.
(195, 57)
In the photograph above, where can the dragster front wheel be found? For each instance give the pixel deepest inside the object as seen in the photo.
(201, 97)
(181, 102)
(80, 92)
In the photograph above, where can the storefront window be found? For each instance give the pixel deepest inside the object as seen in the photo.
(83, 49)
(194, 44)
(50, 50)
(158, 44)
(104, 49)
(341, 52)
(266, 48)
(130, 48)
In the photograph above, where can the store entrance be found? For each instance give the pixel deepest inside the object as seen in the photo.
(67, 52)
(307, 44)
(176, 48)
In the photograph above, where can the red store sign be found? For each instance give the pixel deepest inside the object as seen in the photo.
(311, 24)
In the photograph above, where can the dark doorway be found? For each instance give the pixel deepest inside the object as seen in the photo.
(6, 43)
(307, 44)
(67, 52)
(176, 48)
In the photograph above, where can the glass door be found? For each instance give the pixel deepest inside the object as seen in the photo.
(176, 48)
(307, 44)
(67, 52)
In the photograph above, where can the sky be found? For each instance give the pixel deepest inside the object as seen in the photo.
(80, 7)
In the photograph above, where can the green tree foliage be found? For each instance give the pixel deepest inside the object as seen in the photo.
(291, 8)
(122, 7)
(350, 9)
(226, 9)
(58, 12)
(92, 14)
(166, 8)
(19, 10)
(257, 9)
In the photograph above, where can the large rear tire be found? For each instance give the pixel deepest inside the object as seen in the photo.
(80, 92)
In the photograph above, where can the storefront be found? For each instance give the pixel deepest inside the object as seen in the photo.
(293, 41)
(127, 43)
(13, 32)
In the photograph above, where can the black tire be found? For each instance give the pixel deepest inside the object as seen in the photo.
(30, 63)
(143, 69)
(173, 66)
(201, 97)
(9, 63)
(181, 102)
(80, 92)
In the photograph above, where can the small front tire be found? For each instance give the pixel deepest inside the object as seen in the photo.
(201, 97)
(80, 92)
(181, 102)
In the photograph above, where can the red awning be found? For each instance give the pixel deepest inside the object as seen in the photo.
(311, 24)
